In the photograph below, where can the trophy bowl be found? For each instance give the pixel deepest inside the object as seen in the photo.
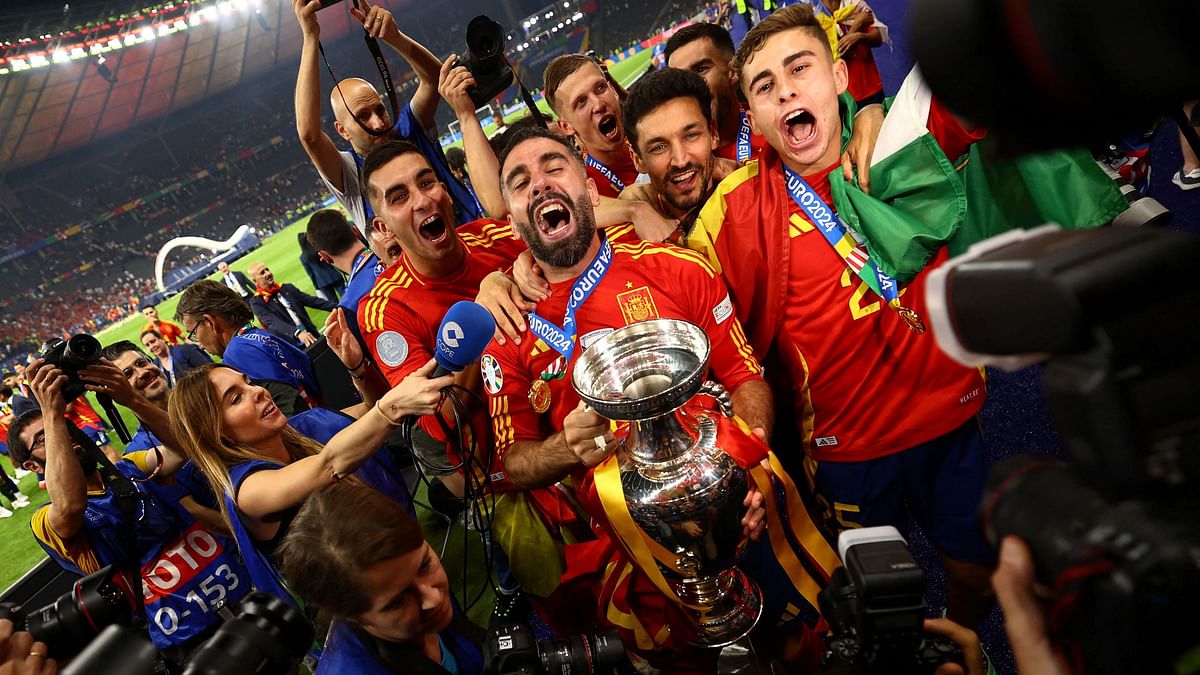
(682, 490)
(644, 370)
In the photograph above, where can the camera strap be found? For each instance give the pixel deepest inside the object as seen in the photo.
(114, 417)
(525, 96)
(385, 74)
(126, 495)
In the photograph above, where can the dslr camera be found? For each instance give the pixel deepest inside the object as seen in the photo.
(875, 607)
(1115, 532)
(514, 649)
(68, 624)
(71, 355)
(485, 60)
(99, 620)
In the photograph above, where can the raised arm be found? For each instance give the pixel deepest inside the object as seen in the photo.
(380, 23)
(104, 377)
(65, 482)
(318, 145)
(266, 493)
(453, 83)
(533, 464)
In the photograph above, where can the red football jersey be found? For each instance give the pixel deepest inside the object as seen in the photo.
(624, 170)
(171, 333)
(868, 386)
(645, 281)
(865, 385)
(399, 318)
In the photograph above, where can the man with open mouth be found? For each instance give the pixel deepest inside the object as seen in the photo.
(829, 282)
(589, 111)
(441, 262)
(543, 431)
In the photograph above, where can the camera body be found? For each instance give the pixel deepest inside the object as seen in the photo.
(1114, 532)
(484, 58)
(514, 649)
(71, 355)
(875, 607)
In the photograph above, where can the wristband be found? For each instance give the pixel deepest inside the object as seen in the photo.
(361, 363)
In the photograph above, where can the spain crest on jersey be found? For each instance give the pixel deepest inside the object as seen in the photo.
(637, 305)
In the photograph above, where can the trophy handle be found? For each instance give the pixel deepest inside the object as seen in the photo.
(721, 394)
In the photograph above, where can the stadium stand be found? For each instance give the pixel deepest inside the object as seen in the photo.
(213, 163)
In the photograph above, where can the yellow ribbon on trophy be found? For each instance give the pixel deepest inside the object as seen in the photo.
(647, 554)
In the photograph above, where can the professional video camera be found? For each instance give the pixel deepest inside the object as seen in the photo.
(485, 59)
(1113, 312)
(68, 624)
(875, 607)
(1058, 72)
(71, 355)
(513, 649)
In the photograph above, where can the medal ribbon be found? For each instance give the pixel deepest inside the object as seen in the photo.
(743, 140)
(853, 253)
(562, 340)
(360, 261)
(605, 171)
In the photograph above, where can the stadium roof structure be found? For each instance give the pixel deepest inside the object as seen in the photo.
(71, 75)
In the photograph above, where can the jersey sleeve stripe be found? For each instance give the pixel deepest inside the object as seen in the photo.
(636, 251)
(743, 346)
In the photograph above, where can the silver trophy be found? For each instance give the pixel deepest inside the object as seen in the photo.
(681, 489)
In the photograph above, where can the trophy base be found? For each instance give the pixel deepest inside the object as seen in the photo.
(731, 607)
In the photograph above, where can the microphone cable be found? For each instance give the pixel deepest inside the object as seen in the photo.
(479, 500)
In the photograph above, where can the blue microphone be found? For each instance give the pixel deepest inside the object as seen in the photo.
(464, 334)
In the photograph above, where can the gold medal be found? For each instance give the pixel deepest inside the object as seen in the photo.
(539, 395)
(911, 319)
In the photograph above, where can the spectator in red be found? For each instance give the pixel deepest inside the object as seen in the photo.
(170, 332)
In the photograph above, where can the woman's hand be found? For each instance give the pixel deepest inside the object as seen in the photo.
(416, 394)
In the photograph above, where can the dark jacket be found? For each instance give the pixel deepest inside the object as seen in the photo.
(275, 318)
(322, 274)
(247, 285)
(184, 357)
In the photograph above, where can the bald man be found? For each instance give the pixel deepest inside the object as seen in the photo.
(280, 307)
(362, 118)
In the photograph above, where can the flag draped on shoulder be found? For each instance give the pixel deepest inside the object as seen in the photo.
(920, 201)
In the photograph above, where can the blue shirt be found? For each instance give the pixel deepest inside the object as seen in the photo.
(345, 653)
(363, 274)
(264, 357)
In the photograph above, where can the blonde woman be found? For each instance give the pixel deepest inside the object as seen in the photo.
(262, 468)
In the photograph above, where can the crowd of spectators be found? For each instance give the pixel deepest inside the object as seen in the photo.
(266, 189)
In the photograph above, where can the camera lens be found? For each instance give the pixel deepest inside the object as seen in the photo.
(267, 636)
(1021, 490)
(82, 350)
(98, 600)
(582, 653)
(485, 41)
